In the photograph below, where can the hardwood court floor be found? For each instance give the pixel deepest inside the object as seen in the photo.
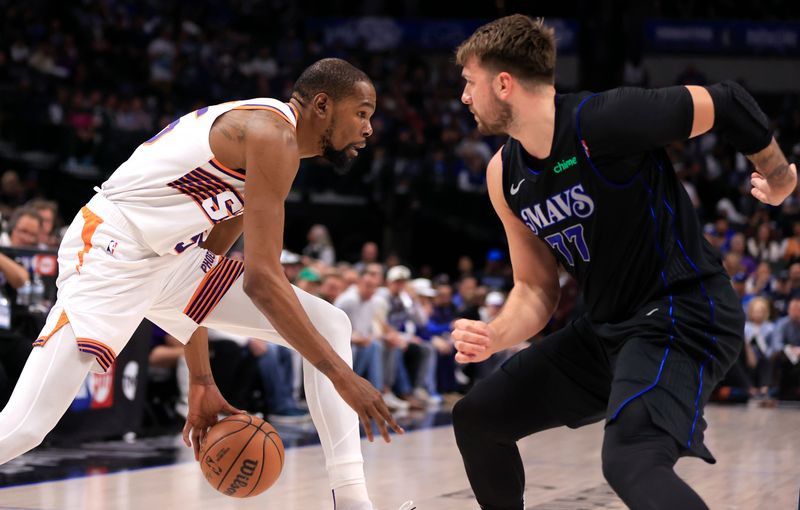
(758, 453)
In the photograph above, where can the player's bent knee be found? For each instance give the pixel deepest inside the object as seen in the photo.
(618, 469)
(621, 466)
(336, 329)
(467, 418)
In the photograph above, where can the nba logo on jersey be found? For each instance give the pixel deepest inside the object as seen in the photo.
(112, 246)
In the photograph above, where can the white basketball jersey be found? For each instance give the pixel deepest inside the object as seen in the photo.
(173, 189)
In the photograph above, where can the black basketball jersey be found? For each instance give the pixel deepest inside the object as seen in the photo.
(611, 209)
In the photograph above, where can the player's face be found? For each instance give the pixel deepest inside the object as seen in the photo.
(349, 126)
(492, 115)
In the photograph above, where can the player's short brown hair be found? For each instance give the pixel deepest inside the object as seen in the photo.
(517, 44)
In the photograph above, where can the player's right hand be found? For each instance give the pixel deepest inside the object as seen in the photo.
(205, 404)
(473, 340)
(368, 403)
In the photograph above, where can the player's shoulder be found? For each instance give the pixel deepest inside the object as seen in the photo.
(266, 115)
(275, 123)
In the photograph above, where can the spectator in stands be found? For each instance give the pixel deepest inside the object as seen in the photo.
(719, 234)
(739, 281)
(409, 360)
(320, 246)
(465, 267)
(363, 307)
(48, 212)
(466, 300)
(15, 341)
(440, 323)
(309, 280)
(369, 255)
(24, 229)
(472, 172)
(738, 247)
(791, 252)
(786, 349)
(760, 280)
(794, 278)
(763, 247)
(496, 275)
(12, 192)
(168, 378)
(276, 369)
(331, 286)
(780, 293)
(758, 330)
(292, 265)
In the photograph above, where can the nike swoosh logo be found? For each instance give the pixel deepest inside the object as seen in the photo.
(651, 312)
(515, 189)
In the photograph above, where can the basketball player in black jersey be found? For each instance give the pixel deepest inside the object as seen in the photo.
(583, 181)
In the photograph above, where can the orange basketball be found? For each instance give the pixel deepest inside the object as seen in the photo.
(242, 456)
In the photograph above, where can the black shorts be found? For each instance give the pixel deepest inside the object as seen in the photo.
(671, 354)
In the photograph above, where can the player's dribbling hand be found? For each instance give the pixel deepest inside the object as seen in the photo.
(368, 403)
(473, 340)
(205, 404)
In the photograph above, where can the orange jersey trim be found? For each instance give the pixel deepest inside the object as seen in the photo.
(294, 111)
(212, 288)
(236, 174)
(104, 354)
(272, 109)
(90, 223)
(63, 320)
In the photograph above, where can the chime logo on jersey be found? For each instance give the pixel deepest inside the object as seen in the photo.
(557, 208)
(563, 165)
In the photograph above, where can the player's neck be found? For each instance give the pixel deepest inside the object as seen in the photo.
(307, 137)
(534, 122)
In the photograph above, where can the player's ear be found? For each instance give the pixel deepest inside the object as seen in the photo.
(322, 104)
(503, 84)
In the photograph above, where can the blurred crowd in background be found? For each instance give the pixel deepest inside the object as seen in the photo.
(83, 83)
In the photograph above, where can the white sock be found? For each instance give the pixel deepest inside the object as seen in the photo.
(352, 497)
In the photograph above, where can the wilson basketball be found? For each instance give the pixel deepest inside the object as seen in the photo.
(242, 456)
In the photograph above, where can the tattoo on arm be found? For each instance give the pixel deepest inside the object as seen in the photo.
(771, 163)
(233, 131)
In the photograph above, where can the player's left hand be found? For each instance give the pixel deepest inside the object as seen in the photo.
(775, 191)
(205, 404)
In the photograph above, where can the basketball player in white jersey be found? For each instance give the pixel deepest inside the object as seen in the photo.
(135, 251)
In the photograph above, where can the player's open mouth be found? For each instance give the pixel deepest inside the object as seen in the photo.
(353, 149)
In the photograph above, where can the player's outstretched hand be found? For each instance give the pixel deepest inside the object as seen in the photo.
(473, 340)
(205, 404)
(775, 192)
(368, 403)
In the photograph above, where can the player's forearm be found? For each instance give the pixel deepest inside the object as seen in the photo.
(223, 235)
(14, 272)
(526, 312)
(274, 297)
(771, 163)
(197, 359)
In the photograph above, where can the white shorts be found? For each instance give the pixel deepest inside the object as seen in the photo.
(109, 280)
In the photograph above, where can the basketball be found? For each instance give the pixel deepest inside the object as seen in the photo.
(242, 456)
